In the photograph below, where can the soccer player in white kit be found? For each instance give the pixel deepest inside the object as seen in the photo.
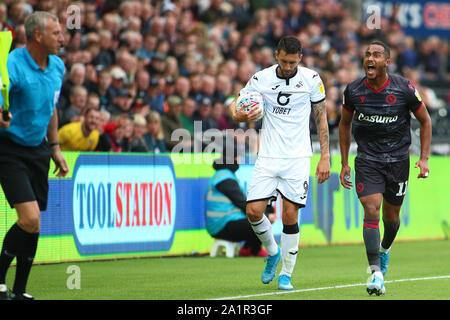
(291, 92)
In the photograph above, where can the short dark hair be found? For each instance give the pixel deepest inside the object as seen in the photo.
(87, 110)
(289, 44)
(387, 50)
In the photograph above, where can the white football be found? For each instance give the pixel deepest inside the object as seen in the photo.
(249, 99)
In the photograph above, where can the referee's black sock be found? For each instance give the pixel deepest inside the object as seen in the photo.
(25, 257)
(11, 246)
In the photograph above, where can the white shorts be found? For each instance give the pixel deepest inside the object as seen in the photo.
(286, 176)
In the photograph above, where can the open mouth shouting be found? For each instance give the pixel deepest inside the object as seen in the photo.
(371, 69)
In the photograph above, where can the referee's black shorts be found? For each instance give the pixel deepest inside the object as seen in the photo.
(24, 172)
(388, 178)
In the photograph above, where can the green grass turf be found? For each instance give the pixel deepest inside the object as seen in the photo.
(192, 278)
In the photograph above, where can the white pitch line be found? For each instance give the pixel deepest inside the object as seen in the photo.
(324, 288)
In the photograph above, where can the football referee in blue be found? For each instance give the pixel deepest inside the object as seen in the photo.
(28, 139)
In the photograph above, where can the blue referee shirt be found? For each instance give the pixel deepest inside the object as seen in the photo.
(33, 95)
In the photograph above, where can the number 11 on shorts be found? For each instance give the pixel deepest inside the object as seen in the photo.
(402, 186)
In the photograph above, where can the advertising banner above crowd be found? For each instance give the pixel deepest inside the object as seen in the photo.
(418, 17)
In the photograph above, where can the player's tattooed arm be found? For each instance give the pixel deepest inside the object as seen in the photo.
(319, 111)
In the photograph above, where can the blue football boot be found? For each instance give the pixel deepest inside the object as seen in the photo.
(271, 267)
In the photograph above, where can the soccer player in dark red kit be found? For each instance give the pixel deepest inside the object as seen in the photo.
(376, 109)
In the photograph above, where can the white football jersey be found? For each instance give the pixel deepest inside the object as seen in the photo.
(285, 128)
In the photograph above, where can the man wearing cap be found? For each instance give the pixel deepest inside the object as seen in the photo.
(121, 103)
(118, 78)
(157, 64)
(155, 94)
(203, 114)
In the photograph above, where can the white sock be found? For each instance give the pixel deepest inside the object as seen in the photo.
(383, 249)
(289, 251)
(263, 230)
(378, 274)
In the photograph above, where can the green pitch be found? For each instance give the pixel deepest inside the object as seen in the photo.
(418, 270)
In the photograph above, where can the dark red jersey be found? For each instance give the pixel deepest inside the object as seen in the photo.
(381, 122)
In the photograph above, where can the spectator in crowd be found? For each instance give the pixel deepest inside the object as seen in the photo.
(140, 103)
(189, 107)
(76, 78)
(128, 63)
(147, 51)
(81, 135)
(179, 50)
(78, 99)
(111, 139)
(138, 143)
(117, 135)
(171, 121)
(102, 88)
(90, 78)
(219, 115)
(188, 65)
(104, 118)
(121, 103)
(407, 57)
(245, 71)
(154, 138)
(428, 95)
(169, 88)
(118, 79)
(241, 13)
(126, 121)
(333, 116)
(103, 140)
(333, 103)
(93, 100)
(156, 95)
(203, 114)
(3, 14)
(429, 57)
(196, 87)
(182, 87)
(158, 64)
(224, 87)
(106, 56)
(296, 19)
(171, 68)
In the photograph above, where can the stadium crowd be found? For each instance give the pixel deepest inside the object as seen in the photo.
(136, 70)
